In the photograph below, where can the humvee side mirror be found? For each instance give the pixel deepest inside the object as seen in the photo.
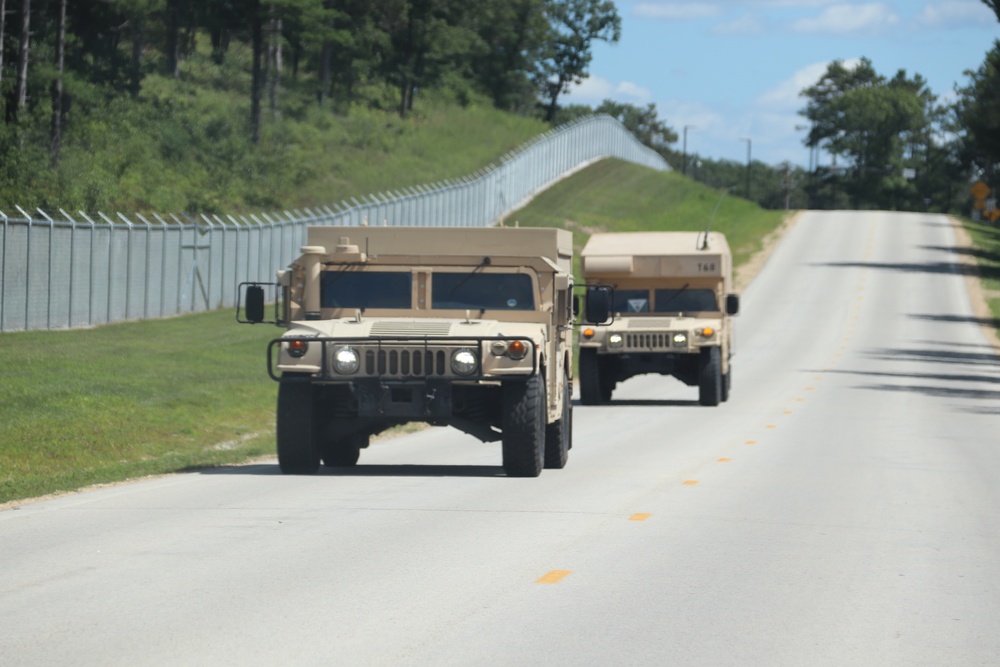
(598, 305)
(732, 304)
(254, 307)
(250, 304)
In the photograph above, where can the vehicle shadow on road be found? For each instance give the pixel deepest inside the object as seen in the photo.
(638, 402)
(414, 470)
(363, 470)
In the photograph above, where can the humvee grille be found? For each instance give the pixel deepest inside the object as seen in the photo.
(405, 363)
(648, 341)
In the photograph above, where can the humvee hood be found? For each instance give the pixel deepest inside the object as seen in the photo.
(411, 328)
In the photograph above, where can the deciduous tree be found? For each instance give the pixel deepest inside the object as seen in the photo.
(576, 24)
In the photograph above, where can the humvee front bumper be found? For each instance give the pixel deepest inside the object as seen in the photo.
(400, 359)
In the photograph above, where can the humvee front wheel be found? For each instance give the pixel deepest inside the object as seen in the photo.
(297, 427)
(710, 376)
(523, 438)
(559, 435)
(591, 387)
(727, 382)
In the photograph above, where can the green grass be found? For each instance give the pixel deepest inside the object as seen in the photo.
(130, 399)
(615, 196)
(986, 250)
(184, 147)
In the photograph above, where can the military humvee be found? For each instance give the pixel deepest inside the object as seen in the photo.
(467, 327)
(672, 308)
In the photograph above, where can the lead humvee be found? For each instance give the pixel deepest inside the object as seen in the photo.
(467, 327)
(672, 309)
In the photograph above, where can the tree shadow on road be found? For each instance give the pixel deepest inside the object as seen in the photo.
(952, 357)
(959, 319)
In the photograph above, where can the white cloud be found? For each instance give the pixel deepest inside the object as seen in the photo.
(952, 13)
(677, 11)
(848, 19)
(785, 96)
(594, 90)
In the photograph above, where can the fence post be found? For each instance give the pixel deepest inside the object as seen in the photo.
(27, 271)
(3, 272)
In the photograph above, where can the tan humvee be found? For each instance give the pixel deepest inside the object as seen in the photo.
(672, 308)
(466, 327)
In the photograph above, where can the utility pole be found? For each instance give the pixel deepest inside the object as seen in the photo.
(749, 143)
(684, 168)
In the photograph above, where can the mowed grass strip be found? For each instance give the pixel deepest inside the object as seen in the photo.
(101, 405)
(986, 250)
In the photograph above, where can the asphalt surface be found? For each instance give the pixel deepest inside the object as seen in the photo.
(841, 509)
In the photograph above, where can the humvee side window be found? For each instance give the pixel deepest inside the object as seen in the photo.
(366, 289)
(631, 301)
(482, 291)
(685, 301)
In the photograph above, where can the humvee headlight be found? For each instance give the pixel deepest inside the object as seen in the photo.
(615, 340)
(707, 332)
(346, 361)
(463, 361)
(297, 348)
(680, 340)
(588, 333)
(517, 349)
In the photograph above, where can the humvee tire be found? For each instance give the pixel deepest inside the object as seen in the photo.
(710, 376)
(345, 452)
(591, 387)
(297, 428)
(727, 380)
(559, 434)
(523, 439)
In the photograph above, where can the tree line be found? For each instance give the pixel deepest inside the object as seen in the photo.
(875, 141)
(522, 54)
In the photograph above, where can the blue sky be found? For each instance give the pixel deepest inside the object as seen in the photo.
(733, 69)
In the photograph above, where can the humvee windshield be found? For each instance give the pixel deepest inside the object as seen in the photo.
(366, 289)
(682, 300)
(482, 291)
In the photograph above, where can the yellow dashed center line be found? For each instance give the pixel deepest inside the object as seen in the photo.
(554, 577)
(751, 442)
(723, 460)
(639, 517)
(690, 482)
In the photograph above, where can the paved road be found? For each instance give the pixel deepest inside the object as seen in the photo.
(841, 509)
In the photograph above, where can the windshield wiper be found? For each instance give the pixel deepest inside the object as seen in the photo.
(486, 262)
(674, 296)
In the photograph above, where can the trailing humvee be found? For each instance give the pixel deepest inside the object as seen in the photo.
(464, 327)
(672, 308)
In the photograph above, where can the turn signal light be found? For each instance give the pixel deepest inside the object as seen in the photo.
(517, 349)
(707, 331)
(297, 348)
(588, 333)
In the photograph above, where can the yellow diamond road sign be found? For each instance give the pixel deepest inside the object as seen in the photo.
(980, 190)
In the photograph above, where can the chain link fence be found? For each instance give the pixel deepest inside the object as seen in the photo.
(70, 271)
